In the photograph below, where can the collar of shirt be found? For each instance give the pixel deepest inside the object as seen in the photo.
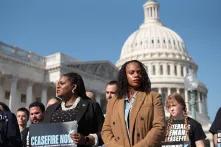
(73, 105)
(128, 104)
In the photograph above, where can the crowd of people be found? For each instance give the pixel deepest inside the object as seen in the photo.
(134, 114)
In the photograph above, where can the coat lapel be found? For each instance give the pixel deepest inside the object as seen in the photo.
(121, 115)
(81, 108)
(140, 97)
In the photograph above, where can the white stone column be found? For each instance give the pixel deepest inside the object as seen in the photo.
(178, 70)
(13, 99)
(172, 69)
(177, 90)
(154, 12)
(169, 91)
(184, 71)
(157, 69)
(29, 94)
(44, 94)
(165, 69)
(149, 12)
(186, 99)
(160, 91)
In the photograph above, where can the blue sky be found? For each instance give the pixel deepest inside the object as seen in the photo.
(97, 29)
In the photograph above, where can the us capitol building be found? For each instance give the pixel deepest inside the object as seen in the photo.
(167, 61)
(26, 76)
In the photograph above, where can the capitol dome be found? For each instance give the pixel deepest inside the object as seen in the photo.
(153, 39)
(166, 59)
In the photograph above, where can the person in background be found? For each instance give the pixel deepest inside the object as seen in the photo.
(91, 95)
(36, 115)
(36, 110)
(52, 101)
(136, 116)
(76, 106)
(111, 90)
(216, 126)
(9, 130)
(192, 131)
(22, 115)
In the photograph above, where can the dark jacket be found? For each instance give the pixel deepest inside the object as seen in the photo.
(90, 117)
(9, 130)
(24, 134)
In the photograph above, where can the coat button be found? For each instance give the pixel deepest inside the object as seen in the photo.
(113, 122)
(141, 118)
(138, 134)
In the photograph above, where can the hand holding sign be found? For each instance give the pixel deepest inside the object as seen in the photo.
(82, 140)
(78, 138)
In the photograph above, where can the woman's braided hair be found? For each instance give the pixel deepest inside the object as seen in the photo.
(171, 99)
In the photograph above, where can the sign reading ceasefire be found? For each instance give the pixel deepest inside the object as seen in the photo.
(175, 144)
(52, 134)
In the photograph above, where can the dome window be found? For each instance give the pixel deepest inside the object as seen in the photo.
(201, 97)
(153, 70)
(175, 70)
(23, 98)
(182, 73)
(152, 41)
(168, 69)
(169, 41)
(161, 69)
(164, 43)
(151, 12)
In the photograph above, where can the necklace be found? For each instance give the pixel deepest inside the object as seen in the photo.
(64, 108)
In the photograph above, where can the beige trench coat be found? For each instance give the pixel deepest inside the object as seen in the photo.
(147, 122)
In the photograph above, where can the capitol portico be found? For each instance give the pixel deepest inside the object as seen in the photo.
(26, 76)
(167, 61)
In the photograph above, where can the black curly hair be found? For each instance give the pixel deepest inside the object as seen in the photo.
(77, 79)
(123, 82)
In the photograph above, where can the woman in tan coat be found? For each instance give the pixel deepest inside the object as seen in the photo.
(136, 117)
